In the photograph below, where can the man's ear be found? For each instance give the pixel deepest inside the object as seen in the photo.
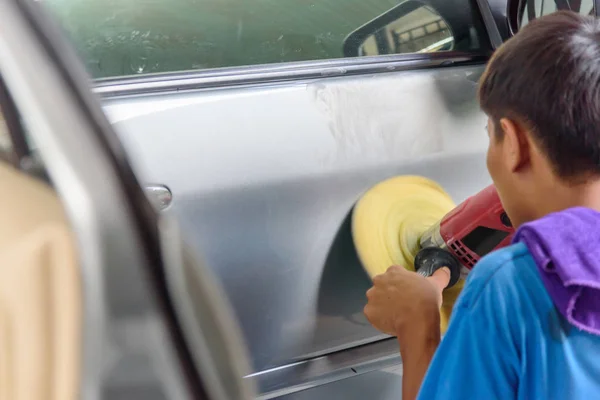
(515, 142)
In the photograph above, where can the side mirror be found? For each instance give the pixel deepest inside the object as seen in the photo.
(409, 27)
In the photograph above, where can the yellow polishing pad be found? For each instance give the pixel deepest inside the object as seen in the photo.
(388, 221)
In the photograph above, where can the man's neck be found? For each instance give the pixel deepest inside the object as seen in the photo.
(563, 195)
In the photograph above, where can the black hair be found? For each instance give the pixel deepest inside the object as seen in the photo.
(548, 77)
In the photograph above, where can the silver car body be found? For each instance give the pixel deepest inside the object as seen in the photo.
(264, 177)
(264, 165)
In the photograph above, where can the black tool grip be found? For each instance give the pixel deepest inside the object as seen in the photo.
(430, 259)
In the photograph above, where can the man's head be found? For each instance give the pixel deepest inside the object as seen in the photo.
(541, 92)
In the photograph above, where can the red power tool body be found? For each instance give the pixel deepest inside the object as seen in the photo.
(470, 231)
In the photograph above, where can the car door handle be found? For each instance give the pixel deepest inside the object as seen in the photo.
(159, 195)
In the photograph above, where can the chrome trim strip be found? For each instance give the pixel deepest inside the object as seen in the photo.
(236, 76)
(328, 368)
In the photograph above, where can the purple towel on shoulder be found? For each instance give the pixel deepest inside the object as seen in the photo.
(566, 248)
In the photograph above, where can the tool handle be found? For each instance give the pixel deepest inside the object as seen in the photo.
(430, 259)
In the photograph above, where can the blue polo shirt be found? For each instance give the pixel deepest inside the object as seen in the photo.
(507, 341)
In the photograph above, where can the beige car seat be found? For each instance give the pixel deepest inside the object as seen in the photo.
(40, 293)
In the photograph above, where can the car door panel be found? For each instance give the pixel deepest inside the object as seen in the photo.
(262, 164)
(384, 384)
(299, 129)
(264, 192)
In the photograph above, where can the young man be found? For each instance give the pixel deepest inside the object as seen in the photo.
(527, 324)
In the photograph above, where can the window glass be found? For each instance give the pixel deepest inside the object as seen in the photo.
(537, 8)
(16, 146)
(128, 37)
(5, 143)
(420, 30)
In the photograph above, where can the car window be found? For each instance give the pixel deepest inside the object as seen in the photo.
(7, 147)
(420, 30)
(5, 143)
(129, 37)
(537, 8)
(16, 144)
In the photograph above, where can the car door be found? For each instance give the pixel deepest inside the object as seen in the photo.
(99, 298)
(262, 123)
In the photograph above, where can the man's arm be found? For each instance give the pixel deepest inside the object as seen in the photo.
(417, 352)
(477, 358)
(418, 345)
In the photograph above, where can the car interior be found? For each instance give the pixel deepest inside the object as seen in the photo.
(40, 291)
